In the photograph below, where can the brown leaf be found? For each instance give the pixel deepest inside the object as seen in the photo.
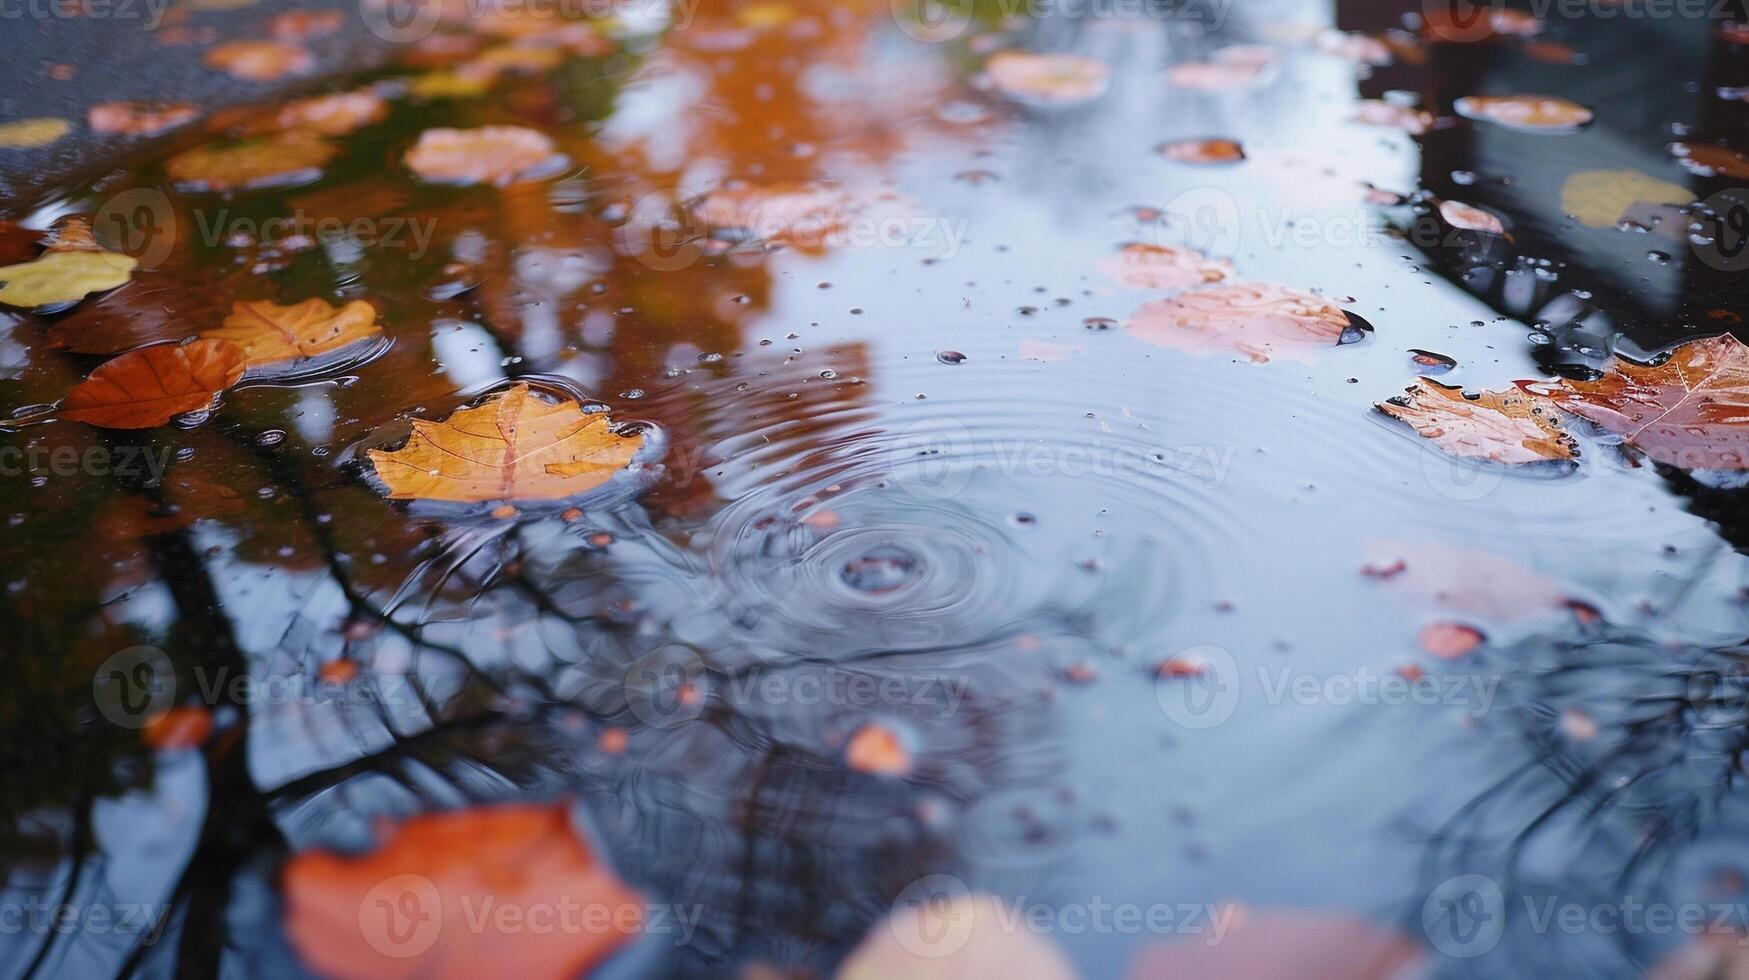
(154, 307)
(140, 118)
(954, 937)
(405, 909)
(514, 446)
(269, 333)
(1709, 160)
(1203, 151)
(275, 161)
(877, 749)
(488, 155)
(153, 385)
(1145, 266)
(1530, 113)
(1259, 320)
(1690, 411)
(1507, 427)
(1279, 945)
(1047, 79)
(259, 61)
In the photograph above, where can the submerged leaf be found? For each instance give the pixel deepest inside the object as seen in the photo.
(1690, 411)
(64, 276)
(800, 214)
(149, 387)
(954, 937)
(1056, 79)
(1602, 198)
(1259, 320)
(488, 155)
(1278, 945)
(405, 909)
(269, 333)
(514, 446)
(275, 161)
(1506, 427)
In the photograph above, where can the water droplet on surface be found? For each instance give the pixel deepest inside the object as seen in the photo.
(881, 571)
(950, 357)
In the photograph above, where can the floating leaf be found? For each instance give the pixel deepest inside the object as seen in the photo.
(150, 386)
(1278, 945)
(1377, 112)
(334, 115)
(954, 937)
(269, 333)
(1359, 48)
(488, 155)
(1603, 198)
(1047, 79)
(140, 118)
(1203, 151)
(405, 909)
(878, 750)
(514, 446)
(800, 214)
(1449, 641)
(1530, 113)
(259, 61)
(1259, 320)
(1506, 427)
(1690, 411)
(1709, 160)
(28, 134)
(1214, 76)
(1470, 218)
(1143, 266)
(302, 25)
(65, 276)
(177, 729)
(286, 159)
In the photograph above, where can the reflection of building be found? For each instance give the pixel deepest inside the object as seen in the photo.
(1650, 81)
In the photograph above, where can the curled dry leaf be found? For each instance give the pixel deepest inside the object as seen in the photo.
(799, 214)
(1280, 945)
(63, 276)
(1259, 320)
(1378, 112)
(287, 159)
(514, 446)
(1603, 198)
(1530, 113)
(488, 155)
(1511, 427)
(29, 134)
(1203, 151)
(334, 115)
(269, 333)
(259, 61)
(954, 937)
(140, 118)
(402, 910)
(1143, 266)
(1048, 79)
(878, 750)
(1709, 160)
(1690, 411)
(150, 386)
(1470, 218)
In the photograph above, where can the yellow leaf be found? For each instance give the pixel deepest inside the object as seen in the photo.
(31, 133)
(277, 161)
(63, 277)
(514, 446)
(449, 85)
(269, 333)
(1602, 198)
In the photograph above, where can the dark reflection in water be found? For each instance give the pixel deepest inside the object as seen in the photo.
(1115, 604)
